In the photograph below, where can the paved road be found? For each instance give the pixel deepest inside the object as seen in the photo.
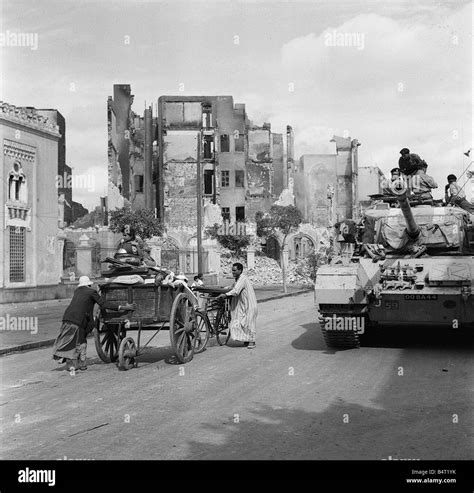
(402, 397)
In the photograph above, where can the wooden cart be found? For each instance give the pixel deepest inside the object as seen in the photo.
(158, 307)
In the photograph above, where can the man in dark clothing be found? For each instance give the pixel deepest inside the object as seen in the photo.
(409, 163)
(71, 343)
(129, 242)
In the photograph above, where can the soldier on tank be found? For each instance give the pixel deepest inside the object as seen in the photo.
(409, 163)
(422, 184)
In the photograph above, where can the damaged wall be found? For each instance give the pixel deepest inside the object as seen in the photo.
(130, 163)
(260, 171)
(180, 194)
(314, 173)
(259, 179)
(279, 166)
(260, 144)
(180, 146)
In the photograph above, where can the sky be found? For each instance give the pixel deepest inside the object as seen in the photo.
(392, 74)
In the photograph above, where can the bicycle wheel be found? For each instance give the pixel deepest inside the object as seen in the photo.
(202, 333)
(222, 325)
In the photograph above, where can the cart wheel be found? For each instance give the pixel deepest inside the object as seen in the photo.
(183, 327)
(126, 354)
(106, 340)
(203, 333)
(223, 327)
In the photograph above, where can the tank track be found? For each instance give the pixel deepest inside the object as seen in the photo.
(340, 339)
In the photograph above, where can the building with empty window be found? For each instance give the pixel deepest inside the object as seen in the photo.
(242, 165)
(31, 246)
(130, 152)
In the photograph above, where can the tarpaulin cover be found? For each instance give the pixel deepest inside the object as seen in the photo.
(440, 227)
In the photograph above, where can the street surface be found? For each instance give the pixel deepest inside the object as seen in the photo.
(403, 397)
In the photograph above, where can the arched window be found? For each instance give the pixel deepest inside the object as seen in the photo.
(17, 184)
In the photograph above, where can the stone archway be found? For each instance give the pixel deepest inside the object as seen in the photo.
(300, 246)
(272, 248)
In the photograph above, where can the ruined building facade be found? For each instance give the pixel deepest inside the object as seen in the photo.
(242, 165)
(317, 174)
(130, 152)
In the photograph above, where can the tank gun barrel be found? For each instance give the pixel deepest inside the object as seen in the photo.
(413, 229)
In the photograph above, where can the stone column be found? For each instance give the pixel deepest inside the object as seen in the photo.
(250, 258)
(182, 262)
(213, 259)
(61, 238)
(84, 256)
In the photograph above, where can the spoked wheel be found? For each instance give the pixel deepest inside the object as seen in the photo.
(106, 338)
(223, 325)
(126, 354)
(203, 332)
(183, 327)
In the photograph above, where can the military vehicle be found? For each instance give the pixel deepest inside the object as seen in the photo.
(413, 265)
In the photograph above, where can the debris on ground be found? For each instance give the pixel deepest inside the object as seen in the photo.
(267, 271)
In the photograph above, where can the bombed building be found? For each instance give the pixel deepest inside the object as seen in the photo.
(130, 152)
(336, 174)
(242, 165)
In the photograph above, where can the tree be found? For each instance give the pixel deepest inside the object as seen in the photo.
(234, 242)
(280, 219)
(142, 220)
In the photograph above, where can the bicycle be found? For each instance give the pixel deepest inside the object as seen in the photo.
(213, 319)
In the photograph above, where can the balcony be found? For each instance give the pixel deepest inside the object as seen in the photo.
(18, 214)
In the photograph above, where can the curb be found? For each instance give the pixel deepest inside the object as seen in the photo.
(26, 347)
(41, 344)
(283, 295)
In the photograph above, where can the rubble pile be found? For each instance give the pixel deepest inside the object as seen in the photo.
(298, 273)
(267, 272)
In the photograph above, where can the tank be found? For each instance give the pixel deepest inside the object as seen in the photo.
(413, 265)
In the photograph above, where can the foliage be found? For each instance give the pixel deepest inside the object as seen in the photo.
(142, 220)
(234, 243)
(314, 260)
(279, 219)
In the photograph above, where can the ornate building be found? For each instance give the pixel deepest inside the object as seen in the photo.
(31, 246)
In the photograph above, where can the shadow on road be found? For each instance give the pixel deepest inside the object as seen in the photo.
(392, 337)
(312, 339)
(419, 337)
(344, 431)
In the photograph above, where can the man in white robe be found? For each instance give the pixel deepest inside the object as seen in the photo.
(243, 307)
